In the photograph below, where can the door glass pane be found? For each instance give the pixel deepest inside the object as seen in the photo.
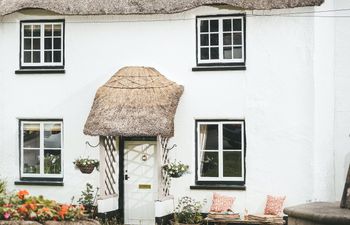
(52, 161)
(52, 135)
(209, 166)
(31, 161)
(31, 135)
(232, 136)
(232, 164)
(209, 137)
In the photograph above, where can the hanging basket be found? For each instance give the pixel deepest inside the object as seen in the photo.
(87, 169)
(176, 175)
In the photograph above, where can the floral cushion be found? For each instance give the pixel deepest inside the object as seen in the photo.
(221, 203)
(274, 205)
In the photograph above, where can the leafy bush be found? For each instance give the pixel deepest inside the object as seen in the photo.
(87, 199)
(187, 211)
(2, 187)
(21, 206)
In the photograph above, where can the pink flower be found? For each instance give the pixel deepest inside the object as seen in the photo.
(7, 215)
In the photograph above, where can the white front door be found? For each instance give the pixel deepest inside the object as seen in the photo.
(140, 182)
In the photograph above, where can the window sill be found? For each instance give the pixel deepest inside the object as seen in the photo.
(40, 71)
(217, 68)
(39, 183)
(218, 187)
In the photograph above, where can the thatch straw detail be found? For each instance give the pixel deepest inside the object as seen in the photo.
(125, 7)
(136, 101)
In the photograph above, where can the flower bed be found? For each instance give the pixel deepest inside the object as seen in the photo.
(22, 209)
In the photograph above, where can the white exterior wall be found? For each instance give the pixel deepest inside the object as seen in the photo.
(275, 96)
(342, 100)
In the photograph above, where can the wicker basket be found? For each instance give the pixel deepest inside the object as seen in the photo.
(87, 169)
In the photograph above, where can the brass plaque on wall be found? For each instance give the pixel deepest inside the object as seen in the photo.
(145, 186)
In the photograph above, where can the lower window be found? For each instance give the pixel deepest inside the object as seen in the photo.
(220, 151)
(41, 148)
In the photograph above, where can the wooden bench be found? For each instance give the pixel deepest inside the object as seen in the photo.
(210, 221)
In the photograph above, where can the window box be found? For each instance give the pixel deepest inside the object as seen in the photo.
(221, 42)
(42, 44)
(41, 150)
(220, 152)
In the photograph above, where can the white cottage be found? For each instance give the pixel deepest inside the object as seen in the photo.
(252, 93)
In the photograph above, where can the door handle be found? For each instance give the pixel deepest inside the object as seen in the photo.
(126, 176)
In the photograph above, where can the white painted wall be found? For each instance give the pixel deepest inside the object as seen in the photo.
(276, 96)
(342, 100)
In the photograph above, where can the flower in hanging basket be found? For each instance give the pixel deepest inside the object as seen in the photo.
(86, 165)
(176, 169)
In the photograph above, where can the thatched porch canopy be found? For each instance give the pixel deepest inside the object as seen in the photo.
(123, 7)
(136, 101)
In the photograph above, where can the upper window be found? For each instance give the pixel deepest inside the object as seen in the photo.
(42, 44)
(220, 151)
(220, 40)
(41, 147)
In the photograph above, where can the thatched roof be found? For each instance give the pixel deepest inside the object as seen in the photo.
(123, 7)
(136, 101)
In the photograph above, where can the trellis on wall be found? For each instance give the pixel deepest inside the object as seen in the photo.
(108, 166)
(164, 176)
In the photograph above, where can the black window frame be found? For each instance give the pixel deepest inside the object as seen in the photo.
(221, 65)
(219, 183)
(54, 69)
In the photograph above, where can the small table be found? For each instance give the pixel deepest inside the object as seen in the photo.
(210, 221)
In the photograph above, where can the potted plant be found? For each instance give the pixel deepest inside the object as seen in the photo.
(86, 165)
(187, 211)
(87, 199)
(176, 169)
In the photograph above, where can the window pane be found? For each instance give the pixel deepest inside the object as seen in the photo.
(27, 29)
(27, 57)
(209, 137)
(48, 43)
(214, 39)
(232, 136)
(57, 43)
(57, 30)
(209, 166)
(52, 135)
(237, 24)
(227, 25)
(214, 53)
(31, 161)
(57, 56)
(227, 53)
(204, 40)
(36, 30)
(227, 39)
(31, 135)
(237, 38)
(214, 25)
(36, 57)
(48, 56)
(48, 30)
(204, 26)
(52, 162)
(237, 53)
(204, 53)
(232, 164)
(27, 43)
(36, 43)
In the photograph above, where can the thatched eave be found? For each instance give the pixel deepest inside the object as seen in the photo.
(127, 7)
(136, 101)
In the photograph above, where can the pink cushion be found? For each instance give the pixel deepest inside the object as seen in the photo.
(274, 205)
(221, 203)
